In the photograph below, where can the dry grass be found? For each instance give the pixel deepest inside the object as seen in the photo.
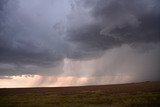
(145, 94)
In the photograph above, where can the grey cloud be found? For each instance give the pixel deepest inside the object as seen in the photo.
(114, 23)
(28, 40)
(4, 77)
(127, 61)
(101, 30)
(120, 64)
(35, 37)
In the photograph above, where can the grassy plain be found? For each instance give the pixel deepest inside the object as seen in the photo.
(145, 94)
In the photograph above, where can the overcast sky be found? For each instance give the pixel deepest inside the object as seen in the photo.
(78, 42)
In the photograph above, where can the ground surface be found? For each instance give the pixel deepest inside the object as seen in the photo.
(145, 94)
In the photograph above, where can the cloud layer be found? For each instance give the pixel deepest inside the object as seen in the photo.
(28, 40)
(98, 38)
(107, 24)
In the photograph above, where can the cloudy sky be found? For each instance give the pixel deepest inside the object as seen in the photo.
(78, 42)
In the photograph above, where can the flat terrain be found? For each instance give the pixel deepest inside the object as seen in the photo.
(145, 94)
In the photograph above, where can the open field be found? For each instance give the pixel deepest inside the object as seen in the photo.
(145, 94)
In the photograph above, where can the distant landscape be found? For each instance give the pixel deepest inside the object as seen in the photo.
(79, 53)
(144, 94)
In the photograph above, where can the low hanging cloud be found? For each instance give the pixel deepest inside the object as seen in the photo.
(107, 24)
(29, 44)
(97, 38)
(106, 27)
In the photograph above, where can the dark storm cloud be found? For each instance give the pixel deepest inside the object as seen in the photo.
(111, 23)
(2, 4)
(123, 34)
(29, 44)
(35, 37)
